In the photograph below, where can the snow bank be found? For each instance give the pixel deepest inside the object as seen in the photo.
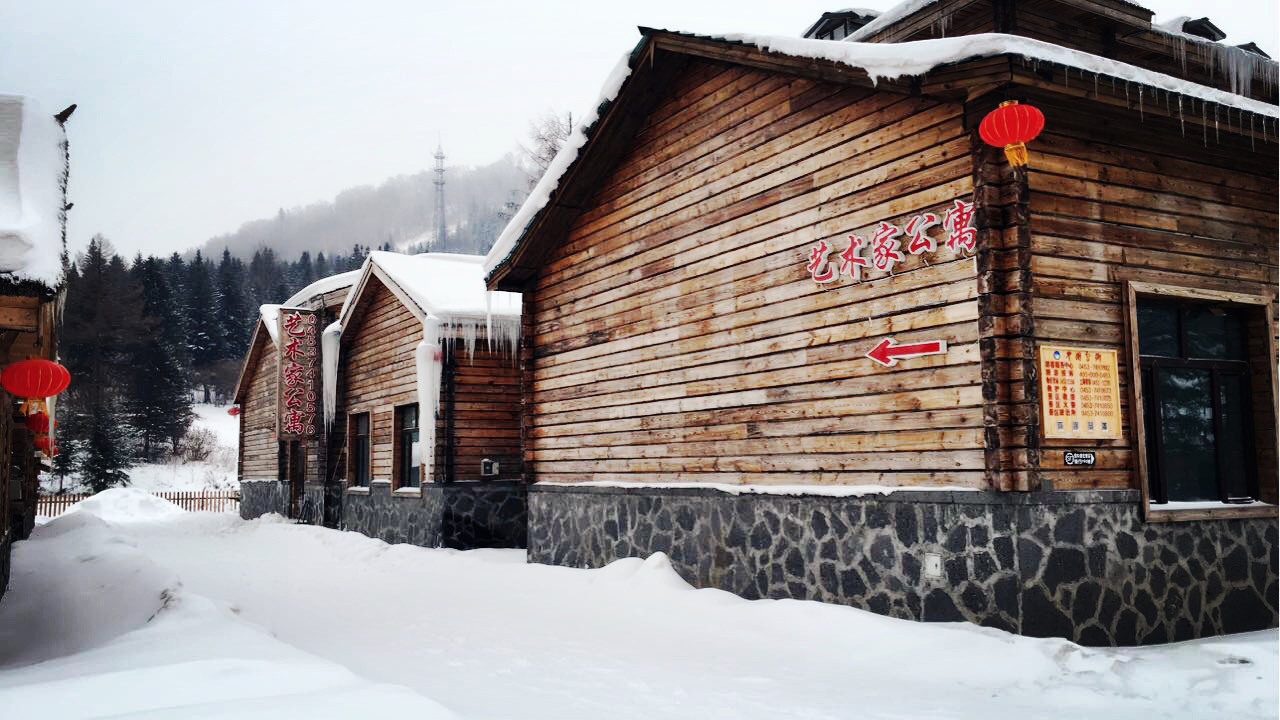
(126, 504)
(32, 162)
(633, 641)
(144, 647)
(77, 583)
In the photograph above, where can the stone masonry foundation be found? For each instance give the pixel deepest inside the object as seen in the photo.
(1078, 565)
(455, 515)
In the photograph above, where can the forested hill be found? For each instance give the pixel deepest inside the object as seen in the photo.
(400, 211)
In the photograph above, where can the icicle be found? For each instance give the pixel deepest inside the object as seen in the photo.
(1217, 136)
(1204, 121)
(330, 345)
(488, 316)
(1252, 138)
(1095, 85)
(1182, 121)
(1141, 116)
(1126, 93)
(429, 358)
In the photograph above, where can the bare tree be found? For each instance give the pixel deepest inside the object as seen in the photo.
(546, 136)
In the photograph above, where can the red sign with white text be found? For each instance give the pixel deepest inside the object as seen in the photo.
(296, 380)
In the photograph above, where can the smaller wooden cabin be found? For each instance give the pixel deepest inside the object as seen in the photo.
(423, 404)
(281, 476)
(33, 192)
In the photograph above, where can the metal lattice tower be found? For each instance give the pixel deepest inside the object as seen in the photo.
(439, 183)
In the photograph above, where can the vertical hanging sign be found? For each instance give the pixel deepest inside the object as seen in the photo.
(296, 378)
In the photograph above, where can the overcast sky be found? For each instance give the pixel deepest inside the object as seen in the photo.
(195, 117)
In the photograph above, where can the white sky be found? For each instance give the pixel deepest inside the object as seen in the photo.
(195, 117)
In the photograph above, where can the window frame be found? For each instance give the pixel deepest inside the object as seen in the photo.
(353, 467)
(1137, 397)
(399, 474)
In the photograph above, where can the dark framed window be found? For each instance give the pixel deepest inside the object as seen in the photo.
(1196, 400)
(358, 450)
(408, 449)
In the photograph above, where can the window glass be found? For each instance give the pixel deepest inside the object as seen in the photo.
(1157, 329)
(1188, 462)
(408, 446)
(360, 450)
(1214, 333)
(1233, 444)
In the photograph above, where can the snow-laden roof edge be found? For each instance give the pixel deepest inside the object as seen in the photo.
(32, 184)
(889, 17)
(270, 315)
(446, 285)
(322, 286)
(880, 61)
(541, 193)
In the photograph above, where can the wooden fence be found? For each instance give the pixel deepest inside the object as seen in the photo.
(195, 501)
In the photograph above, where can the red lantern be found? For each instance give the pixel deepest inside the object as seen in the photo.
(38, 422)
(34, 380)
(1012, 126)
(233, 411)
(44, 444)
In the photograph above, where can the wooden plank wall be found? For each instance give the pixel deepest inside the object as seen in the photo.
(678, 336)
(1113, 197)
(485, 412)
(258, 449)
(377, 371)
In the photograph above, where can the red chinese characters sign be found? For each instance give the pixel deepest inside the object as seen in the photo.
(890, 244)
(296, 382)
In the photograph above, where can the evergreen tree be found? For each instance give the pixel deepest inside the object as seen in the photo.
(204, 331)
(306, 273)
(234, 318)
(102, 319)
(159, 398)
(322, 266)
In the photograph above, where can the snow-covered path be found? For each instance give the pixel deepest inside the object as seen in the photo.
(486, 636)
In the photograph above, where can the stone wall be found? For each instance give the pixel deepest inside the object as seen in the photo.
(1080, 565)
(455, 515)
(259, 497)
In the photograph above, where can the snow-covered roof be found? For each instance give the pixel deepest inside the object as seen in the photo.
(270, 315)
(445, 285)
(32, 163)
(323, 286)
(880, 61)
(889, 17)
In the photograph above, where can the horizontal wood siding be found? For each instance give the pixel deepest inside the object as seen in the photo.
(1114, 198)
(485, 412)
(378, 371)
(679, 338)
(258, 449)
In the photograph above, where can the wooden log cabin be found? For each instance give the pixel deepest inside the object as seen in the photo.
(285, 477)
(790, 320)
(33, 203)
(413, 333)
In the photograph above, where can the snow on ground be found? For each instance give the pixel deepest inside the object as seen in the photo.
(206, 615)
(217, 472)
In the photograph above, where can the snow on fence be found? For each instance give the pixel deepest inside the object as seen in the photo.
(194, 501)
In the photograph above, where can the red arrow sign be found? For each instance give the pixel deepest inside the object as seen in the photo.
(888, 354)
